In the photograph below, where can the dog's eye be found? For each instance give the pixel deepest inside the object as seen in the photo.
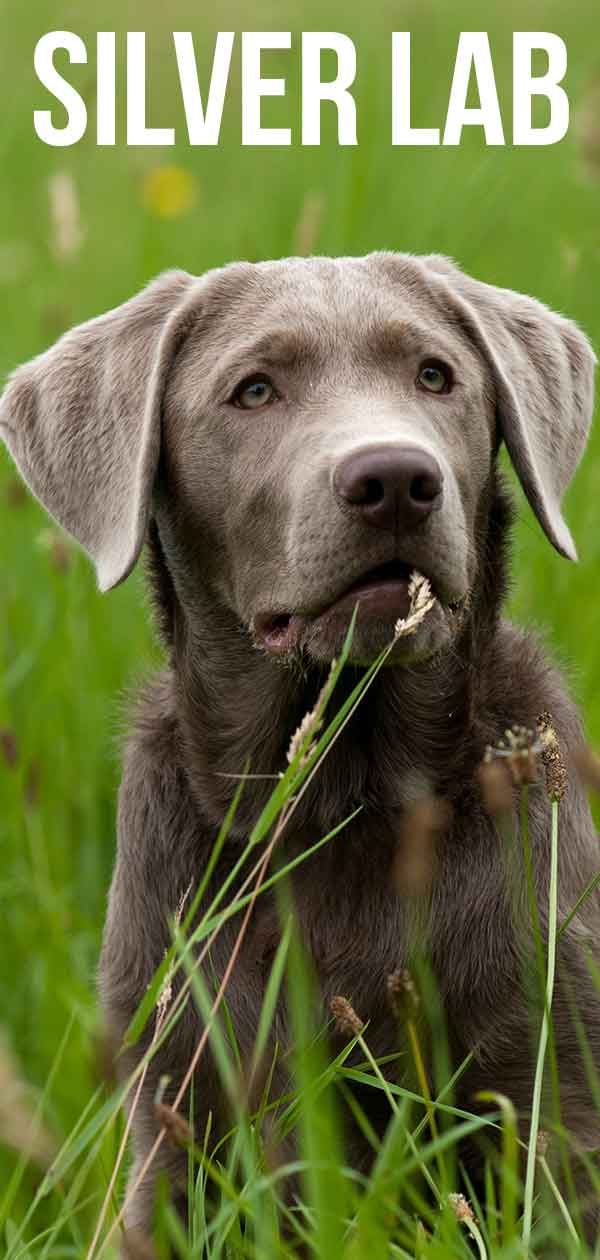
(436, 377)
(254, 392)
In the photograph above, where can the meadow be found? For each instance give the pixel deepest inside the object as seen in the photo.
(80, 230)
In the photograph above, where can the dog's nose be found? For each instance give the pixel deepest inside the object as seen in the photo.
(392, 487)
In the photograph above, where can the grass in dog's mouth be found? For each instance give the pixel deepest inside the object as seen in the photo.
(274, 630)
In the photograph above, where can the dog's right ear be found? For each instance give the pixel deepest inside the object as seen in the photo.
(542, 366)
(82, 421)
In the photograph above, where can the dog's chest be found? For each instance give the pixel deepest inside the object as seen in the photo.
(364, 918)
(351, 917)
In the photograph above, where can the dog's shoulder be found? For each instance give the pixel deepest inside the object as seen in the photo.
(159, 849)
(161, 835)
(152, 780)
(523, 684)
(525, 688)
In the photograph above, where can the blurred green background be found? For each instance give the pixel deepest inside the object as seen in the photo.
(80, 230)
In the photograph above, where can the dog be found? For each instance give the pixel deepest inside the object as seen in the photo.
(293, 440)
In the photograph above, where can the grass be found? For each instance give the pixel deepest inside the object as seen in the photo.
(338, 1212)
(406, 1206)
(521, 218)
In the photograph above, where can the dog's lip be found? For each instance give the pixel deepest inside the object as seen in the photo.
(381, 591)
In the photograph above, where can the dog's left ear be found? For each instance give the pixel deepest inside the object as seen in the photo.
(543, 369)
(83, 421)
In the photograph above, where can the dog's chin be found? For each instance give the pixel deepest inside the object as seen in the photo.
(382, 608)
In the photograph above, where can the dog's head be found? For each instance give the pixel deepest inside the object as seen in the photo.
(306, 434)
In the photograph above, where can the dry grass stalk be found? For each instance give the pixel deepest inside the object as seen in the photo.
(309, 726)
(403, 994)
(66, 230)
(346, 1019)
(415, 859)
(519, 749)
(166, 993)
(497, 789)
(587, 129)
(421, 602)
(571, 256)
(309, 224)
(20, 1126)
(461, 1207)
(465, 1215)
(16, 494)
(305, 734)
(552, 759)
(9, 748)
(31, 789)
(58, 547)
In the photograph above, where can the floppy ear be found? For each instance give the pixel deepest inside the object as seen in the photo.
(82, 421)
(543, 370)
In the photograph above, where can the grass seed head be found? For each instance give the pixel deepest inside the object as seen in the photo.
(181, 904)
(346, 1019)
(304, 735)
(403, 994)
(552, 759)
(461, 1207)
(519, 749)
(421, 602)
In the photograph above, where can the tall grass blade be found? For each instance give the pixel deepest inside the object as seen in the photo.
(541, 1055)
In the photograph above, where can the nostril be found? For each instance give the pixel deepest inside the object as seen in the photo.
(374, 491)
(424, 488)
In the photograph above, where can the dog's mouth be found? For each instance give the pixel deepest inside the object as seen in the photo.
(381, 593)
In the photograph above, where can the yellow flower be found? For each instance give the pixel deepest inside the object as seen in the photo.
(169, 191)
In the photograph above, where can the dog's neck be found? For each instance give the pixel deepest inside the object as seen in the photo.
(236, 708)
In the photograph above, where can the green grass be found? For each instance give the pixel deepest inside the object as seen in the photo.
(407, 1206)
(522, 218)
(406, 1203)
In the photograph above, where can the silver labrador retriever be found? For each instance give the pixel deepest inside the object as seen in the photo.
(293, 438)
